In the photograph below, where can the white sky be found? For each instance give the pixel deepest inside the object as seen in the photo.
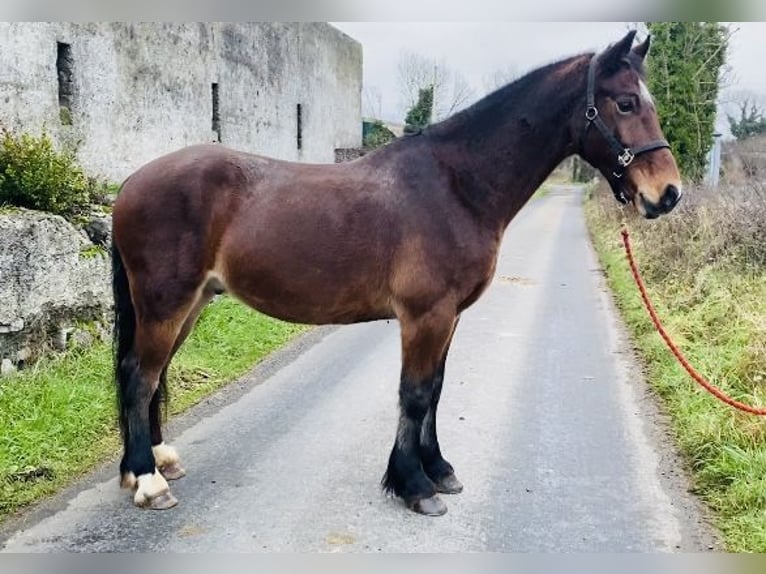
(478, 49)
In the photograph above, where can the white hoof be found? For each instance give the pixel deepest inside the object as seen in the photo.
(165, 455)
(153, 492)
(168, 462)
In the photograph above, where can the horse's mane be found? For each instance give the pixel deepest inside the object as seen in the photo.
(534, 86)
(503, 99)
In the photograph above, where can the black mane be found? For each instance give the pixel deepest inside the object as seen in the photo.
(503, 100)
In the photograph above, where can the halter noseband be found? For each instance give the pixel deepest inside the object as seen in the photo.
(625, 154)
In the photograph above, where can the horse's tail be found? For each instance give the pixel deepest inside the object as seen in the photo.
(124, 334)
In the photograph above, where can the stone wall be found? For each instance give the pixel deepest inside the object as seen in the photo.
(51, 276)
(125, 93)
(121, 94)
(350, 153)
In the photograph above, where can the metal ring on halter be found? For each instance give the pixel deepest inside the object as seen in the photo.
(626, 157)
(591, 113)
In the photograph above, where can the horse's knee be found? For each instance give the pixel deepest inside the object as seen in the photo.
(137, 384)
(415, 397)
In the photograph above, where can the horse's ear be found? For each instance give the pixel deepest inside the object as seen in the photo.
(643, 48)
(614, 56)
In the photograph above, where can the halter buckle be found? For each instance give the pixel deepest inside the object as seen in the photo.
(622, 200)
(591, 113)
(626, 157)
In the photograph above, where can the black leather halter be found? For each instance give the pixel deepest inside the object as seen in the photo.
(624, 154)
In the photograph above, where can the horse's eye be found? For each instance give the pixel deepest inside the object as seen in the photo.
(625, 106)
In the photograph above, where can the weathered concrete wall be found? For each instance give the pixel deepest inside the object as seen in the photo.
(51, 275)
(141, 90)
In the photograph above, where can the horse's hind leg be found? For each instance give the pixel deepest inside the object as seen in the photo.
(424, 340)
(165, 456)
(139, 379)
(436, 467)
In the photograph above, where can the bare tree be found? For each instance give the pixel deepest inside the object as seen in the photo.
(746, 113)
(372, 102)
(452, 92)
(457, 96)
(500, 78)
(734, 101)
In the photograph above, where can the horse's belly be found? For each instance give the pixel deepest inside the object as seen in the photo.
(314, 312)
(310, 300)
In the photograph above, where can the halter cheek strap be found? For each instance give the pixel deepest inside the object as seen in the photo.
(624, 154)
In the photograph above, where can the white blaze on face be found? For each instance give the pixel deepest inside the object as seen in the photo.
(645, 95)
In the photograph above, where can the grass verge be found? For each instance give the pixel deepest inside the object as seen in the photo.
(714, 306)
(58, 418)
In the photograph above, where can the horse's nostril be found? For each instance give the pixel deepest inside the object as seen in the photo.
(670, 198)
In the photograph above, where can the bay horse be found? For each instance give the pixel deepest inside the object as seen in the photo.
(410, 231)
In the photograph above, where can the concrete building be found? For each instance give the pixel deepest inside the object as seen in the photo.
(121, 94)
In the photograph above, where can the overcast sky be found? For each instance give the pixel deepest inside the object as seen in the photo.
(479, 49)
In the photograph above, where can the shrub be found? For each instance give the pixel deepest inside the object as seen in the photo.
(720, 228)
(420, 115)
(684, 72)
(582, 171)
(375, 134)
(35, 175)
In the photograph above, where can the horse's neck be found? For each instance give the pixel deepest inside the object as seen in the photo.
(504, 148)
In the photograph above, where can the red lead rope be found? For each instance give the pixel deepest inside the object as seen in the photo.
(673, 349)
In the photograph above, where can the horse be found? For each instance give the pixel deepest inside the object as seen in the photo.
(410, 231)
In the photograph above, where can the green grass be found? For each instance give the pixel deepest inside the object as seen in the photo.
(58, 417)
(553, 181)
(715, 310)
(542, 191)
(92, 251)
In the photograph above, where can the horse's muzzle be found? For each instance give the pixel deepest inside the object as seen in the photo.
(669, 200)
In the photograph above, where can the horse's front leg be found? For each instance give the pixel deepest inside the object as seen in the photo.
(424, 342)
(436, 467)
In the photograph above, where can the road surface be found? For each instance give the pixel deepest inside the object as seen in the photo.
(544, 416)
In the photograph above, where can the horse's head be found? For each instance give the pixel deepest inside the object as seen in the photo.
(620, 132)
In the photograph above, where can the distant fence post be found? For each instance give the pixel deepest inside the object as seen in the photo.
(714, 162)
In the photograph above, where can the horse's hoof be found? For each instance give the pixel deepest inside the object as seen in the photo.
(449, 485)
(168, 462)
(432, 506)
(172, 471)
(153, 492)
(161, 502)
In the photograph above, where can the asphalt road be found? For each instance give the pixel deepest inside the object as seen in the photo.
(544, 416)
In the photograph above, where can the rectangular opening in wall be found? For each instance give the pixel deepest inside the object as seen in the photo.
(299, 126)
(65, 74)
(216, 111)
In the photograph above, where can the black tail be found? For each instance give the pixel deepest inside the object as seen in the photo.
(127, 376)
(124, 333)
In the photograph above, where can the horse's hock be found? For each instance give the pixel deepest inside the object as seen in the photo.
(52, 279)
